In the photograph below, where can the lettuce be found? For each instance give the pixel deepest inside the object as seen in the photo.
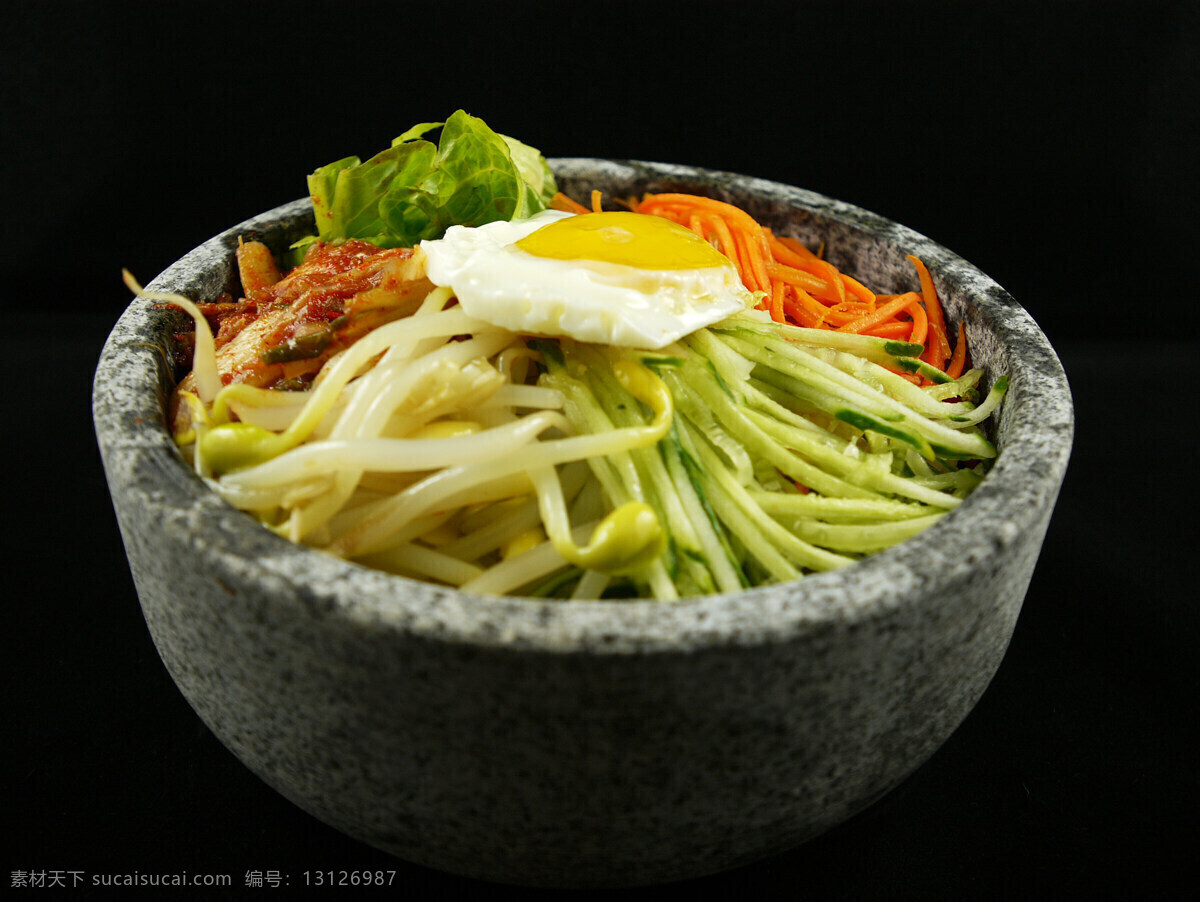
(415, 189)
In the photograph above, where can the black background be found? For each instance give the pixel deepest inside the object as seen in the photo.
(1052, 144)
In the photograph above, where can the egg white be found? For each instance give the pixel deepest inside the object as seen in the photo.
(588, 300)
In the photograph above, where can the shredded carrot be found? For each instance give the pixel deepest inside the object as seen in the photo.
(858, 289)
(937, 351)
(954, 370)
(897, 330)
(804, 310)
(718, 227)
(798, 277)
(920, 327)
(797, 285)
(561, 202)
(880, 316)
(784, 250)
(777, 292)
(756, 264)
(797, 247)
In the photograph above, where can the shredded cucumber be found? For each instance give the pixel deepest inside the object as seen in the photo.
(791, 451)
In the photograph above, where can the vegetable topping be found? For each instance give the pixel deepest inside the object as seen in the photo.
(664, 401)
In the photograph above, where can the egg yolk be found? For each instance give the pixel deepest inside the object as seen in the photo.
(627, 239)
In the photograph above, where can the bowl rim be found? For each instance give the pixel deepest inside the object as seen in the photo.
(1028, 470)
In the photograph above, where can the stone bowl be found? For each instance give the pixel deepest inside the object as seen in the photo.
(610, 743)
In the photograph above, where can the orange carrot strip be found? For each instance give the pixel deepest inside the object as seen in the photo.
(954, 370)
(796, 246)
(782, 251)
(596, 208)
(706, 224)
(729, 244)
(920, 326)
(939, 347)
(793, 253)
(836, 278)
(830, 288)
(725, 240)
(881, 315)
(738, 254)
(777, 292)
(801, 313)
(834, 291)
(561, 202)
(839, 316)
(858, 289)
(814, 269)
(936, 347)
(728, 211)
(751, 251)
(797, 277)
(889, 330)
(805, 301)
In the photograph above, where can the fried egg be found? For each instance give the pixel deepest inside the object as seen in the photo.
(627, 279)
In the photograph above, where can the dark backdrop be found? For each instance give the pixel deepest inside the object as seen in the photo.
(1049, 143)
(1052, 144)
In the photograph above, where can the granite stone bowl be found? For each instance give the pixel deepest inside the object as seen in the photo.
(586, 743)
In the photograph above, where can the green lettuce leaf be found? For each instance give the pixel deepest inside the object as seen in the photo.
(415, 189)
(533, 168)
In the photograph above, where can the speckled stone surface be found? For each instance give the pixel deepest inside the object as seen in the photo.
(591, 743)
